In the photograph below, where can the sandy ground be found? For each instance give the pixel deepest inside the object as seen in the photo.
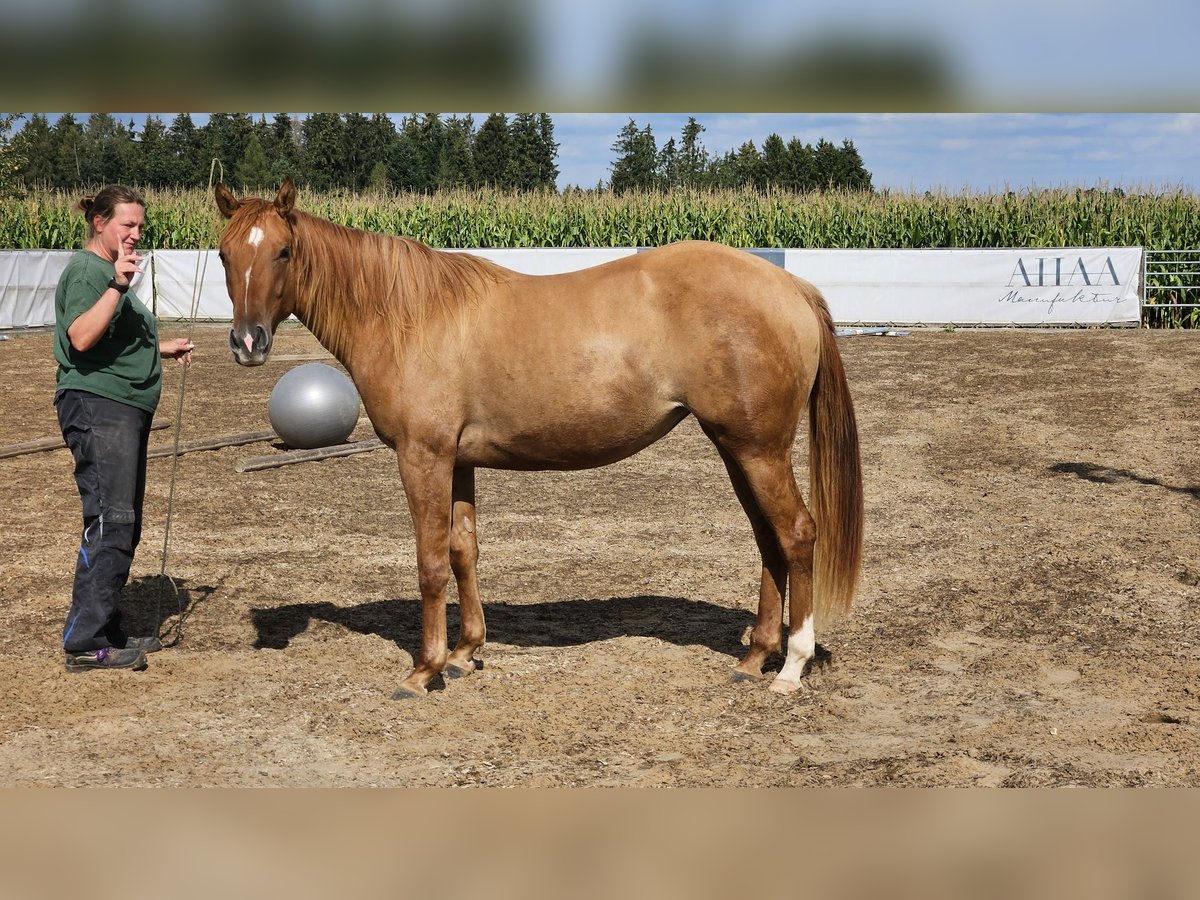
(1028, 611)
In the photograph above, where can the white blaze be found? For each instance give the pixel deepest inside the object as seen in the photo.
(255, 238)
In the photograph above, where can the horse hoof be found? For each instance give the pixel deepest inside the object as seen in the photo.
(739, 677)
(408, 692)
(779, 686)
(454, 670)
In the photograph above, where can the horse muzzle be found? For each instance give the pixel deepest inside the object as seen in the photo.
(250, 347)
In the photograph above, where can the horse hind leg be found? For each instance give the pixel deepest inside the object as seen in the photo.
(464, 554)
(774, 485)
(768, 624)
(786, 535)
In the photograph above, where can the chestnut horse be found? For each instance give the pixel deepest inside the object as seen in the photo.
(461, 363)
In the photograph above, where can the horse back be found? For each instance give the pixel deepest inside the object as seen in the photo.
(587, 367)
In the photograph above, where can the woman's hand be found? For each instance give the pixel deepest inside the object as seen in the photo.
(126, 265)
(177, 348)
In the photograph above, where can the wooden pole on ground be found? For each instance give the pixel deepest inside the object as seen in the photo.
(232, 440)
(273, 461)
(51, 443)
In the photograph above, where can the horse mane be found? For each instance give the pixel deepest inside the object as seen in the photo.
(394, 282)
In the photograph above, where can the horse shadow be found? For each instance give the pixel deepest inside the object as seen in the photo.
(1108, 475)
(152, 601)
(561, 623)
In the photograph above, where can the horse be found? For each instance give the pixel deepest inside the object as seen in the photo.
(462, 363)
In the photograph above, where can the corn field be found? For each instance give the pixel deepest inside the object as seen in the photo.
(188, 219)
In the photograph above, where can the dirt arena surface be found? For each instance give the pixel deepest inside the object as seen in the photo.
(1028, 611)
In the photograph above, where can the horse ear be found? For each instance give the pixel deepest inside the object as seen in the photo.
(286, 198)
(226, 202)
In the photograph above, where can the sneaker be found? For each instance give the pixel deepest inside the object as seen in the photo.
(149, 644)
(106, 658)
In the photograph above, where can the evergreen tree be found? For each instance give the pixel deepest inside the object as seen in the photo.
(283, 150)
(156, 163)
(693, 158)
(547, 153)
(356, 151)
(668, 166)
(379, 183)
(748, 166)
(853, 174)
(381, 138)
(723, 171)
(801, 167)
(404, 163)
(192, 164)
(253, 170)
(525, 163)
(105, 150)
(774, 171)
(828, 161)
(455, 166)
(263, 132)
(635, 168)
(430, 134)
(32, 155)
(323, 151)
(68, 143)
(224, 137)
(493, 152)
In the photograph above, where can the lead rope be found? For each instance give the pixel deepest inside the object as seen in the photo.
(164, 578)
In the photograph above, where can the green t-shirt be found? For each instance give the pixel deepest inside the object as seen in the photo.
(124, 365)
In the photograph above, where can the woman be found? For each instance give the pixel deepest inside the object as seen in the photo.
(109, 381)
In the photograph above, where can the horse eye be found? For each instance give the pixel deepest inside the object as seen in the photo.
(221, 255)
(285, 253)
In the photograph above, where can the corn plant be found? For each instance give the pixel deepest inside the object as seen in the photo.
(186, 219)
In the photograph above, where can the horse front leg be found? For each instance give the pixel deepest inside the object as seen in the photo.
(427, 479)
(464, 554)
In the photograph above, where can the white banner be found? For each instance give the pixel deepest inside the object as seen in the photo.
(28, 279)
(27, 282)
(1062, 286)
(176, 275)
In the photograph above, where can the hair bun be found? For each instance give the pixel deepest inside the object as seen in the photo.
(85, 204)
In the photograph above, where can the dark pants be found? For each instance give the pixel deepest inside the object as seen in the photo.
(108, 440)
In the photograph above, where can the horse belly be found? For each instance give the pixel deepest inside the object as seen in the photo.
(579, 435)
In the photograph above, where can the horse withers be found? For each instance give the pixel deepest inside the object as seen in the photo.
(462, 363)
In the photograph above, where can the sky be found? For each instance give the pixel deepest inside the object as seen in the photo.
(954, 152)
(935, 94)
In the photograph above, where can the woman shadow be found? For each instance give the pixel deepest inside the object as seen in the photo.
(161, 605)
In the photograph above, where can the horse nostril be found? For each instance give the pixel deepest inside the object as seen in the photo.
(250, 344)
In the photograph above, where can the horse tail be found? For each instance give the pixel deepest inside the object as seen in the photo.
(835, 470)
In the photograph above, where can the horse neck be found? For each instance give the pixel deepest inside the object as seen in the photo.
(364, 293)
(329, 286)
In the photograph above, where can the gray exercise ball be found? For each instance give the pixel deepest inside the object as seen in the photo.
(312, 406)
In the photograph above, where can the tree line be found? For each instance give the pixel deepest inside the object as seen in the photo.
(423, 153)
(792, 166)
